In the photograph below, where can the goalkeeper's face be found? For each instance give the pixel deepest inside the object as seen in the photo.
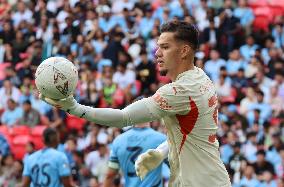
(168, 54)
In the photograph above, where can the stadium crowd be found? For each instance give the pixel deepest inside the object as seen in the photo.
(112, 43)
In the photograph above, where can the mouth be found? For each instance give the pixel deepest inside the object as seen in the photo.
(160, 62)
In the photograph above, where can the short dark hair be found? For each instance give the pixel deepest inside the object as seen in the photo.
(49, 136)
(183, 31)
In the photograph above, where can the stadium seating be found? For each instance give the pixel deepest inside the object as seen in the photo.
(74, 122)
(20, 130)
(18, 146)
(36, 136)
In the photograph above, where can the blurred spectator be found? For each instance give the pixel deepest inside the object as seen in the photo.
(12, 114)
(245, 14)
(261, 106)
(235, 62)
(237, 162)
(261, 165)
(8, 91)
(39, 105)
(146, 73)
(250, 147)
(31, 117)
(97, 160)
(213, 65)
(268, 179)
(30, 149)
(125, 78)
(6, 169)
(248, 50)
(22, 14)
(249, 178)
(248, 100)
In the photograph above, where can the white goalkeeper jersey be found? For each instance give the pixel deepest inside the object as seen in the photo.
(189, 110)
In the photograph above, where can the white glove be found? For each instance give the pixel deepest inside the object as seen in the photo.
(64, 104)
(148, 161)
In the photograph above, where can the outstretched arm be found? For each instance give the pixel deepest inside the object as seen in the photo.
(135, 113)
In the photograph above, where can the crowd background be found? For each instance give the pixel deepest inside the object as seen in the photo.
(113, 43)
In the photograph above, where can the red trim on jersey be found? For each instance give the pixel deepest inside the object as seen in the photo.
(187, 122)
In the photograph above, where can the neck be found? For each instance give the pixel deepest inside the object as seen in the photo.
(184, 66)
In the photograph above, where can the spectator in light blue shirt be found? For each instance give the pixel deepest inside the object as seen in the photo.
(235, 62)
(147, 23)
(244, 13)
(264, 108)
(11, 116)
(212, 66)
(248, 50)
(278, 35)
(249, 179)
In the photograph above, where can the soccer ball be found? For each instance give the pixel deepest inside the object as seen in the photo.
(56, 78)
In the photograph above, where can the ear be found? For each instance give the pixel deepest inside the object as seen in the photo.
(185, 51)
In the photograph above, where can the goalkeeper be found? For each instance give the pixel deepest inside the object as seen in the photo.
(188, 107)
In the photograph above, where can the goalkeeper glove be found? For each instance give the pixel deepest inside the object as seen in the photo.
(64, 104)
(148, 161)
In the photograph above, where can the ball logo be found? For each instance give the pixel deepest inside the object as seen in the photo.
(63, 89)
(58, 74)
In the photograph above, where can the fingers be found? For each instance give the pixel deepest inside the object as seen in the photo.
(141, 171)
(49, 101)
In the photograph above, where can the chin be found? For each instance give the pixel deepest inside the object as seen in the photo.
(163, 72)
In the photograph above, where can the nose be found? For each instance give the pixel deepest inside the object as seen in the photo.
(158, 52)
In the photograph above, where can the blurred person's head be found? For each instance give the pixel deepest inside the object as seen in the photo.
(241, 73)
(7, 84)
(42, 4)
(276, 140)
(242, 3)
(259, 96)
(273, 52)
(11, 104)
(267, 176)
(250, 93)
(260, 75)
(21, 7)
(214, 55)
(144, 57)
(237, 147)
(279, 77)
(93, 182)
(80, 39)
(30, 147)
(71, 144)
(250, 40)
(260, 157)
(27, 106)
(78, 157)
(269, 42)
(235, 55)
(18, 168)
(251, 136)
(8, 160)
(249, 171)
(274, 91)
(121, 67)
(103, 150)
(19, 35)
(50, 137)
(223, 71)
(7, 27)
